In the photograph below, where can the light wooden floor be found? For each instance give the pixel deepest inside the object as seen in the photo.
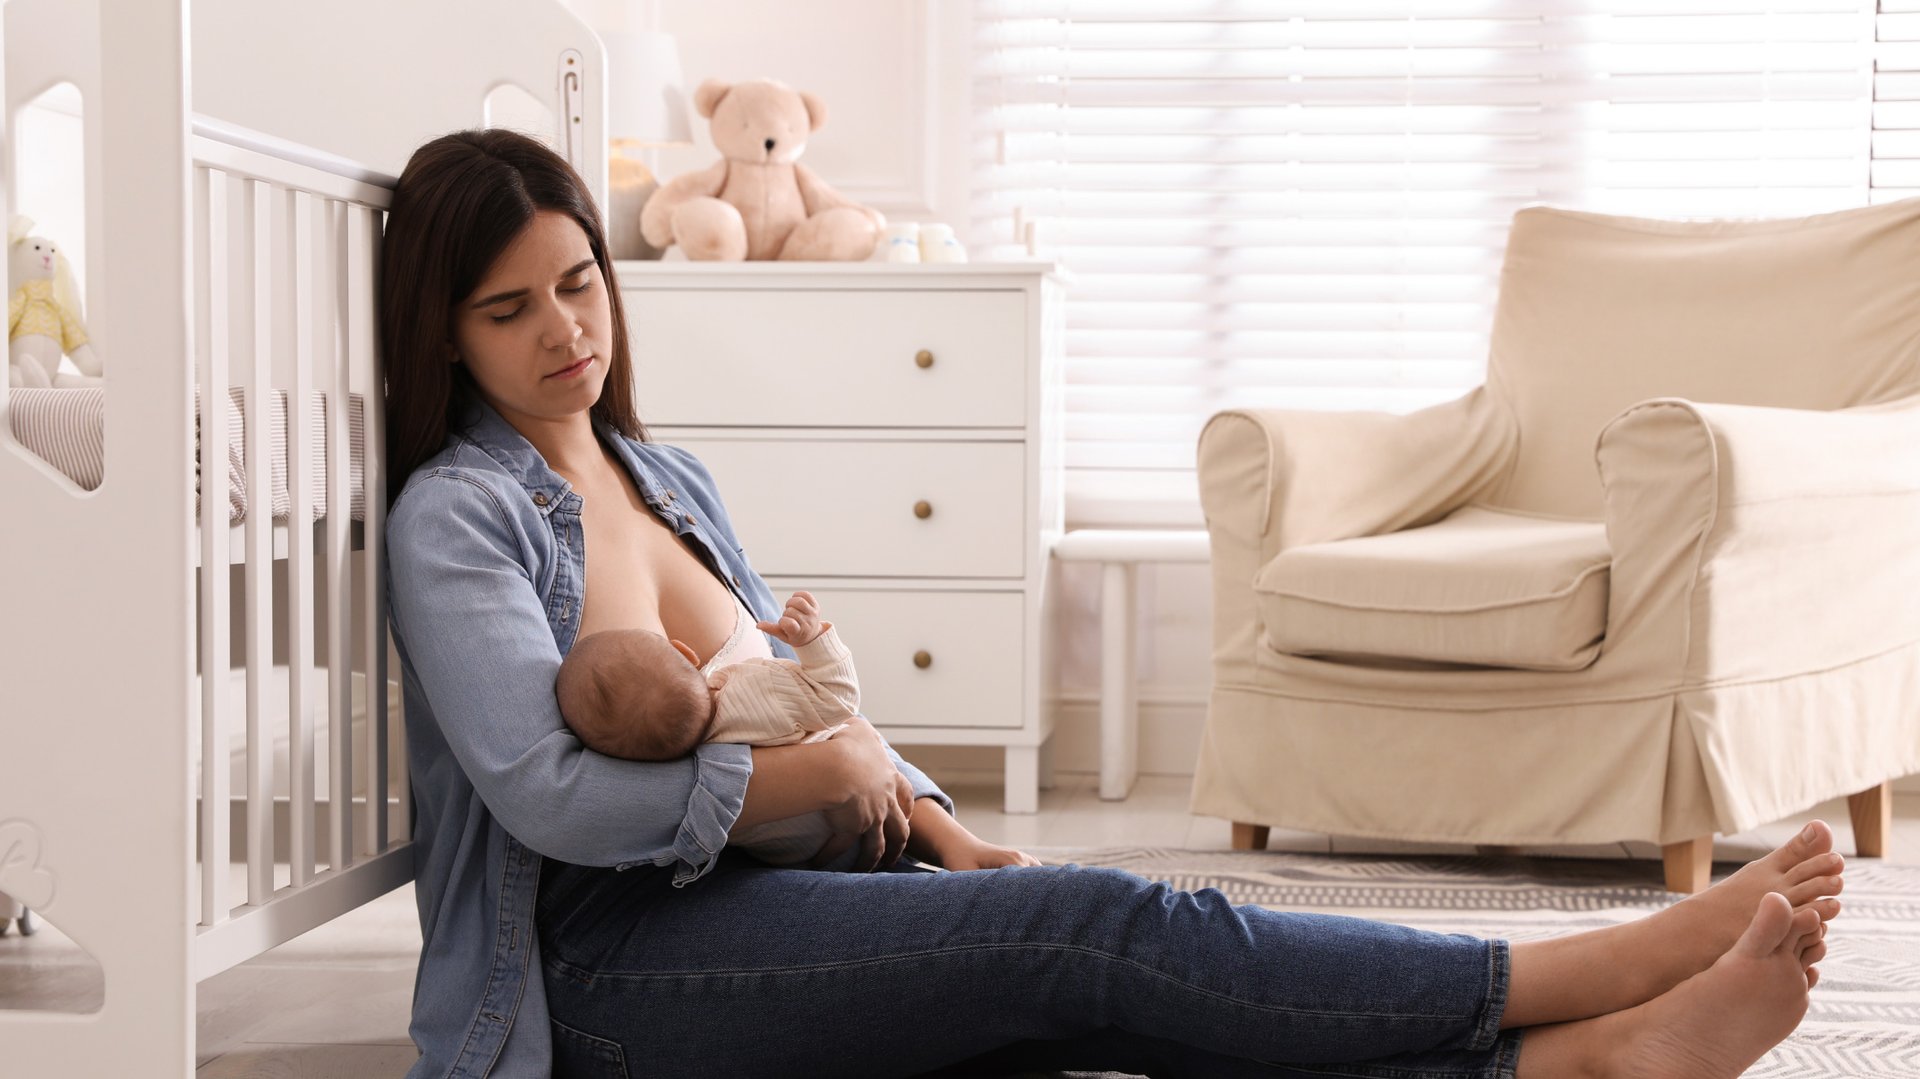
(333, 1004)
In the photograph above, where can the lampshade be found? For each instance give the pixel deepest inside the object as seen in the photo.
(646, 104)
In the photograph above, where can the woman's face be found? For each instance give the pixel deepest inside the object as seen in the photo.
(537, 334)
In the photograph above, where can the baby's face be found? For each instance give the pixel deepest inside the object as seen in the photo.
(692, 658)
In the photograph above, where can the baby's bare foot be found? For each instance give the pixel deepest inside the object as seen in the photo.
(1695, 932)
(1718, 1022)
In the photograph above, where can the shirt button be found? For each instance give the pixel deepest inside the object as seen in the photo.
(735, 580)
(539, 499)
(690, 519)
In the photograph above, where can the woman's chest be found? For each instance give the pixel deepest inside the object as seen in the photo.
(640, 574)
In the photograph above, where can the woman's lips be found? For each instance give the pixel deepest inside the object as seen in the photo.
(575, 371)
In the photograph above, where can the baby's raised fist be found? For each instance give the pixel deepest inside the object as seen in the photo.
(799, 624)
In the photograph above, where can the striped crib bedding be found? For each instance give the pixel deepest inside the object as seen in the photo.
(66, 427)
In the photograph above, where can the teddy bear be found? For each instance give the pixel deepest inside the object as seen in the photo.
(758, 202)
(44, 321)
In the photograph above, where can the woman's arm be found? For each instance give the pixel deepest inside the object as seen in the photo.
(868, 800)
(789, 781)
(474, 637)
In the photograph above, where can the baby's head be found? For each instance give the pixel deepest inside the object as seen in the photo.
(634, 694)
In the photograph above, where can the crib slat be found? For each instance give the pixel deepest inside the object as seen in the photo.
(210, 211)
(340, 807)
(366, 374)
(402, 780)
(300, 825)
(259, 544)
(339, 538)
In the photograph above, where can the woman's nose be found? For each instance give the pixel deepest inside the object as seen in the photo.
(562, 332)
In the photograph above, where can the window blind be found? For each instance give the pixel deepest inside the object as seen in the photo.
(1304, 203)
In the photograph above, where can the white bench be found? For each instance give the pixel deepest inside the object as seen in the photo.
(1121, 550)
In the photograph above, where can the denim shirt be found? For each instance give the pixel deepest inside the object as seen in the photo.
(486, 569)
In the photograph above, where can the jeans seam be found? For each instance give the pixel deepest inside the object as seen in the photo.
(1499, 976)
(1449, 1020)
(1507, 1055)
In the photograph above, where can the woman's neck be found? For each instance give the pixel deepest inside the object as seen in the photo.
(568, 444)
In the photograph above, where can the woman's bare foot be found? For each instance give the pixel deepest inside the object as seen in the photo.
(1695, 932)
(1592, 974)
(1713, 1025)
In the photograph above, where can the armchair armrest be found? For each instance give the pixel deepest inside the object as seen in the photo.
(1273, 479)
(1755, 542)
(1284, 478)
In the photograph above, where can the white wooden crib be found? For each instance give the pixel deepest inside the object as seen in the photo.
(135, 688)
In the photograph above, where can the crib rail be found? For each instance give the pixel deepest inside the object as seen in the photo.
(284, 250)
(221, 258)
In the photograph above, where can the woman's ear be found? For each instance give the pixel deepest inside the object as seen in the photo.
(685, 651)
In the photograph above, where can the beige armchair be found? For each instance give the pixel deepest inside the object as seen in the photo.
(1582, 604)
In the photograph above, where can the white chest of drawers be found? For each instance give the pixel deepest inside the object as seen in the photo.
(887, 437)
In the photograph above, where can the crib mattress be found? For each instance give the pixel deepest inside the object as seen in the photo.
(67, 428)
(236, 686)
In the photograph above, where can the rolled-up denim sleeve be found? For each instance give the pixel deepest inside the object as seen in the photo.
(474, 635)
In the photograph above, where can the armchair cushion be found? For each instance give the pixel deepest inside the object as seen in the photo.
(1483, 587)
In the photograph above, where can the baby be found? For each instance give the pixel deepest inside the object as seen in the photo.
(638, 695)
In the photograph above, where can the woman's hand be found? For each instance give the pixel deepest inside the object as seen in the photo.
(983, 855)
(878, 803)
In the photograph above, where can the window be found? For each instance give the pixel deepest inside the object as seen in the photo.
(1304, 203)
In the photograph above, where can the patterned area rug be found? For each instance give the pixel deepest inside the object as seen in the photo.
(1864, 1020)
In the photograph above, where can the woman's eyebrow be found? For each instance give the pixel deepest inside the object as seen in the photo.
(519, 292)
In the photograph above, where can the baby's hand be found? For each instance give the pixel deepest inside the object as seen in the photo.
(799, 624)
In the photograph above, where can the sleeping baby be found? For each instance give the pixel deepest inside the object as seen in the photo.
(638, 695)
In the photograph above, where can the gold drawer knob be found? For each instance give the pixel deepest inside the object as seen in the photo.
(923, 510)
(923, 358)
(923, 659)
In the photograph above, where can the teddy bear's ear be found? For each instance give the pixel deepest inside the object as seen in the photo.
(816, 110)
(707, 97)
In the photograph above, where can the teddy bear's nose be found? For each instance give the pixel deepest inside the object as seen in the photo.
(769, 145)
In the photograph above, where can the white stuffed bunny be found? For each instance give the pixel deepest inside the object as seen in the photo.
(43, 314)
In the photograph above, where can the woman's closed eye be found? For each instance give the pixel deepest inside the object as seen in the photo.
(515, 313)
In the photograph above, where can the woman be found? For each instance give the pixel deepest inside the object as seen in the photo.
(579, 912)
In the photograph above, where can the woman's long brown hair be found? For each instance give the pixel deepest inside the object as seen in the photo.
(460, 202)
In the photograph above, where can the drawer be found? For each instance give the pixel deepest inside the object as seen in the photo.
(848, 508)
(824, 358)
(972, 641)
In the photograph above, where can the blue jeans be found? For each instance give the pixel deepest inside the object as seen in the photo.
(762, 971)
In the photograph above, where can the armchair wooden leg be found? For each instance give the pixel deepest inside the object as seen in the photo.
(1872, 812)
(1689, 865)
(1249, 836)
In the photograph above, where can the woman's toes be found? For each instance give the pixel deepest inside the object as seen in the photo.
(1828, 909)
(1771, 928)
(1805, 923)
(1815, 838)
(1813, 977)
(1830, 864)
(1815, 953)
(1819, 887)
